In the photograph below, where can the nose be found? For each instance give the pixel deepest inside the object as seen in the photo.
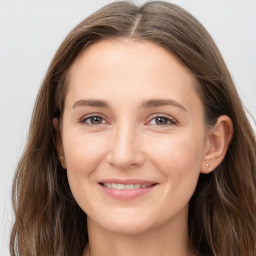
(125, 150)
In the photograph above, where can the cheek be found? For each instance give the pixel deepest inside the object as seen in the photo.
(178, 158)
(83, 154)
(178, 151)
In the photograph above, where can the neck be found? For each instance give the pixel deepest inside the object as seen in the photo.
(162, 241)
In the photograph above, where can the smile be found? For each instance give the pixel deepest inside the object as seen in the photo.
(126, 189)
(125, 186)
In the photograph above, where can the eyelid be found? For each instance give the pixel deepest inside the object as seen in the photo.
(86, 117)
(172, 120)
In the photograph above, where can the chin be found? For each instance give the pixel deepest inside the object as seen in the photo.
(128, 228)
(127, 224)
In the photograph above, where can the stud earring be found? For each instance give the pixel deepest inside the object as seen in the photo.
(60, 158)
(208, 167)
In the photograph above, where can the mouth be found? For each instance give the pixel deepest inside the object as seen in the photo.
(121, 186)
(126, 190)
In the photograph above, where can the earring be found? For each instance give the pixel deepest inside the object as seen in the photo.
(208, 167)
(60, 158)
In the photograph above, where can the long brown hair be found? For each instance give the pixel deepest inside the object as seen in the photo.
(222, 215)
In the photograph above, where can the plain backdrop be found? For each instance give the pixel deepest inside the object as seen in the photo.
(30, 33)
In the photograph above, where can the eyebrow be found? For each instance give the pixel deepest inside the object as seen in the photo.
(162, 102)
(91, 103)
(145, 104)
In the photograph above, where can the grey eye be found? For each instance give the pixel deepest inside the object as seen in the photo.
(161, 120)
(93, 120)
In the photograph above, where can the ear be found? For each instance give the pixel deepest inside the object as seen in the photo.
(59, 145)
(218, 140)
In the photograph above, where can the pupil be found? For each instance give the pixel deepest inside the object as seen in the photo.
(96, 120)
(161, 120)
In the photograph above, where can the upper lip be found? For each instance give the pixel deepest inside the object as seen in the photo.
(127, 181)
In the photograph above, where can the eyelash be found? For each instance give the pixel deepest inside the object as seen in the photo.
(89, 117)
(170, 121)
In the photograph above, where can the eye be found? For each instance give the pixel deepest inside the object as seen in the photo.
(162, 121)
(93, 120)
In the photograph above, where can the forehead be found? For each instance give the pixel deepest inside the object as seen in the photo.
(129, 68)
(128, 53)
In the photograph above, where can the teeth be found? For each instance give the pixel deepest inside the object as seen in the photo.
(137, 186)
(125, 186)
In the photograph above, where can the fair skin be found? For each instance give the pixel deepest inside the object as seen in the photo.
(134, 141)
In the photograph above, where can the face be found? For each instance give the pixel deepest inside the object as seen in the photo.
(132, 136)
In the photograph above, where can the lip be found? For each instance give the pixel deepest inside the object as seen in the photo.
(127, 194)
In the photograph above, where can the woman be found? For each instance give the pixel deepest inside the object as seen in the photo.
(138, 144)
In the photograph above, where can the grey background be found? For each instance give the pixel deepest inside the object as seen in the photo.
(31, 31)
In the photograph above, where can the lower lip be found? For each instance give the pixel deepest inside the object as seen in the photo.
(126, 194)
